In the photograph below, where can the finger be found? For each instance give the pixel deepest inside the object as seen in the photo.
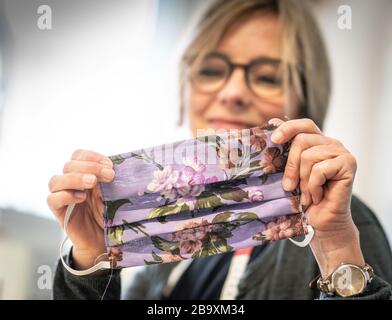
(300, 143)
(309, 158)
(59, 200)
(323, 171)
(87, 155)
(289, 129)
(74, 180)
(103, 172)
(275, 121)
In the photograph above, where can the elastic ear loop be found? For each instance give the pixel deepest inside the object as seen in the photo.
(308, 236)
(307, 239)
(99, 266)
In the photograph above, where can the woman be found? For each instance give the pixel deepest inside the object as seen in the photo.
(250, 62)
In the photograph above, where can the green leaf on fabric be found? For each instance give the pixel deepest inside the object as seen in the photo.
(196, 254)
(222, 217)
(112, 207)
(211, 201)
(162, 219)
(115, 234)
(234, 194)
(135, 227)
(117, 159)
(254, 154)
(222, 246)
(247, 216)
(148, 263)
(165, 245)
(157, 259)
(255, 164)
(264, 178)
(167, 210)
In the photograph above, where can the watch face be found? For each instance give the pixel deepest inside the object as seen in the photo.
(348, 280)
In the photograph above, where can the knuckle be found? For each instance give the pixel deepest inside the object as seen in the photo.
(352, 161)
(318, 168)
(276, 121)
(49, 200)
(291, 170)
(309, 122)
(96, 168)
(77, 154)
(306, 155)
(303, 185)
(52, 182)
(313, 179)
(52, 202)
(300, 139)
(336, 142)
(67, 167)
(284, 128)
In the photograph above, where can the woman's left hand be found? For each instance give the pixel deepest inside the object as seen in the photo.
(325, 170)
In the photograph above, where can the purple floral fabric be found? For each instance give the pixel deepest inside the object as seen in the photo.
(199, 197)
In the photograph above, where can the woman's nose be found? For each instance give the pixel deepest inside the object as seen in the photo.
(235, 94)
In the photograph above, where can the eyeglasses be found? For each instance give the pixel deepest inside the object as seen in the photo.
(263, 76)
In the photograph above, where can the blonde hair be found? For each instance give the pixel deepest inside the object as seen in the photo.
(304, 58)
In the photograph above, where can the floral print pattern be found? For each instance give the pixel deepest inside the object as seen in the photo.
(157, 211)
(273, 160)
(282, 228)
(183, 186)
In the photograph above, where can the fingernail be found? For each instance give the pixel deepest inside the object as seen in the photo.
(276, 136)
(79, 194)
(89, 179)
(287, 184)
(106, 163)
(107, 174)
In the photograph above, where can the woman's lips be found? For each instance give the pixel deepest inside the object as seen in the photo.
(228, 124)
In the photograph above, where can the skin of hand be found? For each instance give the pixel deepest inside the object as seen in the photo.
(325, 170)
(78, 185)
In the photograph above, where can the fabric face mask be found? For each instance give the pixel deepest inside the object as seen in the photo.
(199, 197)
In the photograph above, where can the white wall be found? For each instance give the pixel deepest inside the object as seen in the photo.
(360, 109)
(15, 273)
(86, 84)
(95, 81)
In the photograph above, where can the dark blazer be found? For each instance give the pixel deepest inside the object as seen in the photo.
(281, 271)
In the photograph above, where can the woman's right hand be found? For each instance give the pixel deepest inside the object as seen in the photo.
(79, 185)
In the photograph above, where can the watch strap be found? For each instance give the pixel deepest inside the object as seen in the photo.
(326, 286)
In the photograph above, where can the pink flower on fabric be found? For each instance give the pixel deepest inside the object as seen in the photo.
(188, 195)
(258, 139)
(115, 254)
(169, 257)
(164, 179)
(195, 164)
(190, 246)
(273, 160)
(211, 179)
(229, 157)
(295, 203)
(279, 229)
(185, 185)
(255, 194)
(191, 235)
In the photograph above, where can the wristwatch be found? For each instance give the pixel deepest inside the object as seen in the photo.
(346, 281)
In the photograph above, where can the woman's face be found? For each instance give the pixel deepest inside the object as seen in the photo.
(235, 105)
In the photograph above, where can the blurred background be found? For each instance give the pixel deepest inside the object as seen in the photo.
(104, 78)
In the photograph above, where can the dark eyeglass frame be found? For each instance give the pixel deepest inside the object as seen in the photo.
(232, 66)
